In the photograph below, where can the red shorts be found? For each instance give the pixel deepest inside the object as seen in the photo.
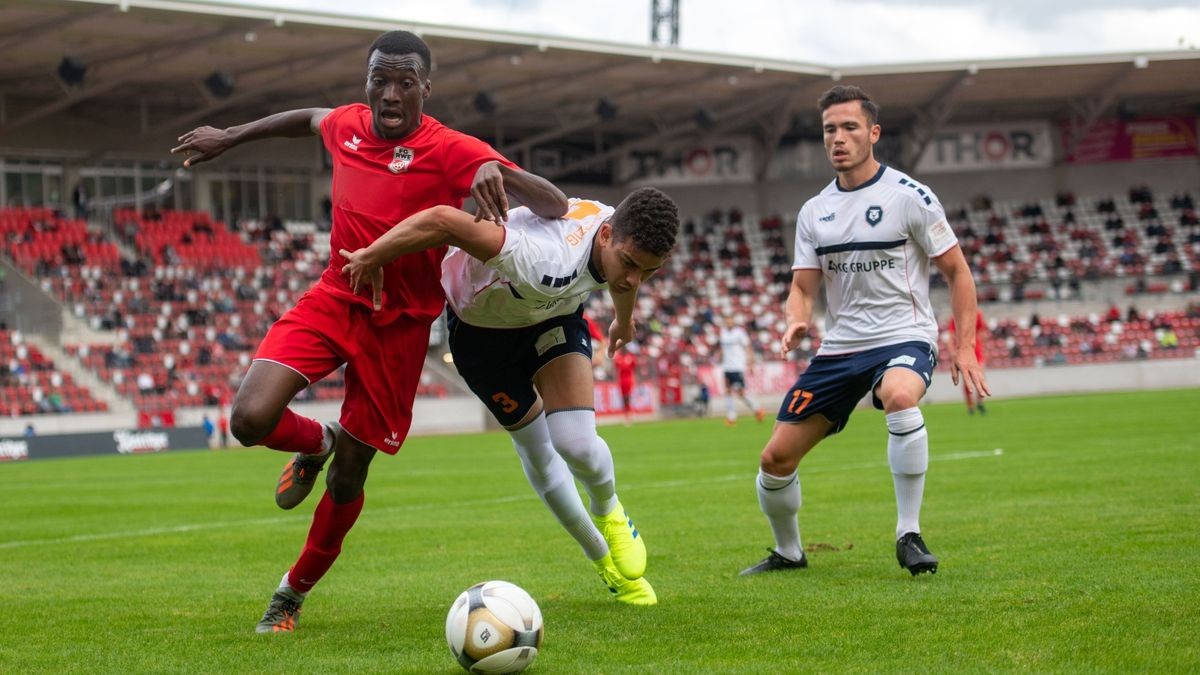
(383, 363)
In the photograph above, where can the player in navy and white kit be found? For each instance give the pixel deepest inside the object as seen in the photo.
(870, 235)
(519, 339)
(736, 357)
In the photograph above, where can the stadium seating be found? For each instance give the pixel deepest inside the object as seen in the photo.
(31, 384)
(191, 298)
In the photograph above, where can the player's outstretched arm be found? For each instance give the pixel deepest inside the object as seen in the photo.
(431, 228)
(806, 284)
(953, 265)
(493, 180)
(204, 143)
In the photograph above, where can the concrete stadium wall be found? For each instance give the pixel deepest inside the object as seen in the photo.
(464, 414)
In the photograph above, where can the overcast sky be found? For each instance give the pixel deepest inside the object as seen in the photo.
(826, 32)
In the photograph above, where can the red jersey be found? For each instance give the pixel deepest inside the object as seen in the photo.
(980, 332)
(377, 183)
(625, 364)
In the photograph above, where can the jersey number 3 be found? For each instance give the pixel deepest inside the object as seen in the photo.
(506, 404)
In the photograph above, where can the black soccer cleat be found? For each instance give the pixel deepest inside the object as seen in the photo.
(775, 563)
(914, 556)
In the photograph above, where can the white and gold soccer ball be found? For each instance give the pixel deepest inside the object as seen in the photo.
(494, 627)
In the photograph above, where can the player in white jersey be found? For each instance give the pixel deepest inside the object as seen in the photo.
(870, 235)
(518, 338)
(736, 357)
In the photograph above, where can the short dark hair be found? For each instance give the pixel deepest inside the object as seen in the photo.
(844, 93)
(402, 42)
(650, 218)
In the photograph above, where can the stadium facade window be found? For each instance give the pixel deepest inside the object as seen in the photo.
(31, 182)
(129, 184)
(256, 193)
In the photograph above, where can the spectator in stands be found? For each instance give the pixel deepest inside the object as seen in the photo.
(1168, 338)
(145, 382)
(29, 431)
(79, 200)
(207, 425)
(881, 231)
(1140, 195)
(331, 324)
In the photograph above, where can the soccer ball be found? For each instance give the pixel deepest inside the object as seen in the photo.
(494, 627)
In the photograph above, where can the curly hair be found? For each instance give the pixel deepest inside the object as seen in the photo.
(402, 42)
(845, 93)
(650, 218)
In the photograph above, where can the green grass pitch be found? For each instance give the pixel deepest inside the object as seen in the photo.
(1074, 548)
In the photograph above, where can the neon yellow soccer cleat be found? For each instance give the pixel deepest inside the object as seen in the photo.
(628, 591)
(626, 546)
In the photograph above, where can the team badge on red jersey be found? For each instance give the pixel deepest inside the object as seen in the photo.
(401, 158)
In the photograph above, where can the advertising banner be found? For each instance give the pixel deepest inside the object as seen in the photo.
(1126, 141)
(121, 441)
(729, 160)
(984, 147)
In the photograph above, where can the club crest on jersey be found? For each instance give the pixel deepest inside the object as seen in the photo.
(874, 215)
(401, 158)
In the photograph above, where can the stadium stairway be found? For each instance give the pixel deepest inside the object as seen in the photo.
(66, 363)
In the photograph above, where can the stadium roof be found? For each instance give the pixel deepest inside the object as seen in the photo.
(147, 62)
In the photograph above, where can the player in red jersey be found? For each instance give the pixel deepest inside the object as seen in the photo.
(980, 332)
(389, 162)
(625, 364)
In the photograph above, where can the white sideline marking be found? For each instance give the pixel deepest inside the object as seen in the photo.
(276, 520)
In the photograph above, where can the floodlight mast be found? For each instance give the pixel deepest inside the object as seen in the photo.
(664, 22)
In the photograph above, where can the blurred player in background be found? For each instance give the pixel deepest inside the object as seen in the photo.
(973, 403)
(518, 338)
(389, 161)
(870, 235)
(736, 358)
(625, 363)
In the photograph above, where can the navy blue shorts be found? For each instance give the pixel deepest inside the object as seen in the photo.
(499, 363)
(734, 378)
(833, 385)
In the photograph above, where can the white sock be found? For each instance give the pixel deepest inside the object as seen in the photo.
(730, 413)
(750, 403)
(573, 433)
(779, 499)
(550, 478)
(285, 586)
(908, 456)
(328, 438)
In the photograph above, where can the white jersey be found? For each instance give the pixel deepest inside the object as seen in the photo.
(873, 245)
(543, 270)
(734, 343)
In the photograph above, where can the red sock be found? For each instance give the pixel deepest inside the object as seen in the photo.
(295, 434)
(330, 524)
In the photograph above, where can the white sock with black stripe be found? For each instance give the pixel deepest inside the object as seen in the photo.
(550, 477)
(779, 499)
(908, 456)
